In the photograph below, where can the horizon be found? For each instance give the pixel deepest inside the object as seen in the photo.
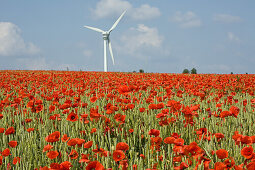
(156, 36)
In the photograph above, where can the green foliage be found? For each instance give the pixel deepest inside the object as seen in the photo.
(141, 71)
(185, 71)
(193, 71)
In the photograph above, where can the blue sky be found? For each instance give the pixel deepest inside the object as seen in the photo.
(154, 35)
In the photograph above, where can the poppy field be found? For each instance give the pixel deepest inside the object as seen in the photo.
(62, 120)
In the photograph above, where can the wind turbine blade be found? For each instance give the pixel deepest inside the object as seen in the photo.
(110, 49)
(95, 29)
(118, 20)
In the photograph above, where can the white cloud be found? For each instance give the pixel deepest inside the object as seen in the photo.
(226, 18)
(145, 12)
(106, 8)
(11, 42)
(142, 36)
(233, 37)
(186, 20)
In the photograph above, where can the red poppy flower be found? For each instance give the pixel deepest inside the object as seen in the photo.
(118, 155)
(13, 144)
(131, 130)
(74, 154)
(52, 154)
(219, 136)
(52, 108)
(225, 114)
(141, 109)
(109, 111)
(179, 142)
(95, 165)
(66, 165)
(72, 142)
(175, 135)
(84, 158)
(230, 163)
(72, 117)
(30, 129)
(44, 168)
(84, 105)
(93, 130)
(65, 138)
(122, 146)
(169, 140)
(183, 165)
(193, 148)
(39, 108)
(120, 118)
(47, 148)
(1, 116)
(16, 160)
(2, 130)
(6, 152)
(9, 131)
(219, 166)
(54, 166)
(218, 105)
(123, 164)
(222, 153)
(160, 105)
(80, 142)
(154, 132)
(253, 139)
(142, 156)
(1, 160)
(246, 140)
(88, 144)
(247, 152)
(251, 166)
(93, 99)
(124, 89)
(152, 106)
(155, 143)
(149, 100)
(234, 111)
(28, 120)
(54, 137)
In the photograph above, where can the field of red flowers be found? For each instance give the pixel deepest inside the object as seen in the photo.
(93, 120)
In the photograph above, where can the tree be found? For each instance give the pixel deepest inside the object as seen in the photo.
(185, 71)
(141, 71)
(231, 72)
(193, 71)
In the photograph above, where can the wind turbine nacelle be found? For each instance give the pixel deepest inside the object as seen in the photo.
(106, 35)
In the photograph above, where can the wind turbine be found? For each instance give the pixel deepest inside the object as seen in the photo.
(106, 38)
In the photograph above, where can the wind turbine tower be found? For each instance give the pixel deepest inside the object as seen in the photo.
(106, 39)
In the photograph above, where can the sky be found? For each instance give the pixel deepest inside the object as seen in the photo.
(161, 36)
